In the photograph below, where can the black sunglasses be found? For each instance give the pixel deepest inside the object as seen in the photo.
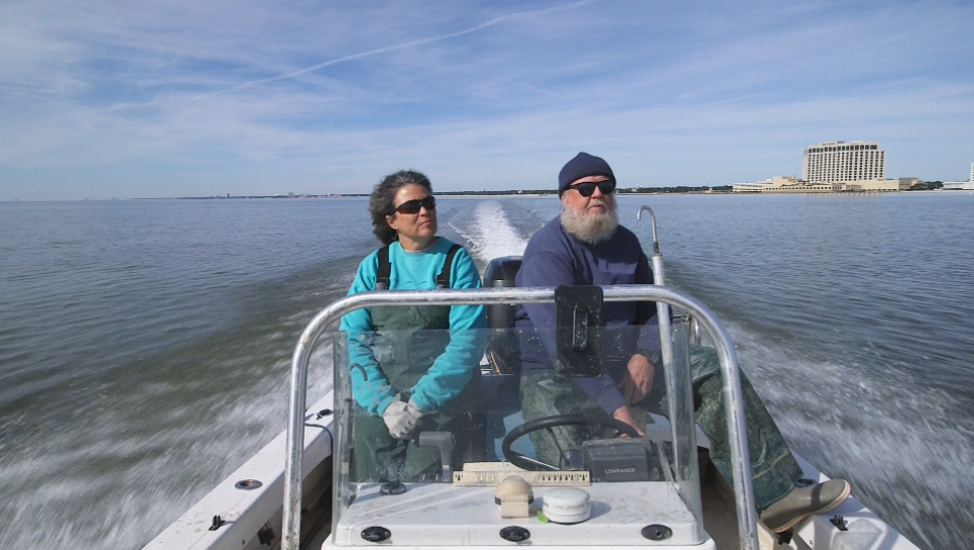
(413, 206)
(587, 188)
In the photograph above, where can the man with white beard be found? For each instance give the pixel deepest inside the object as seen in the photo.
(585, 245)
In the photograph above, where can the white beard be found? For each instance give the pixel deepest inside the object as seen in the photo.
(588, 228)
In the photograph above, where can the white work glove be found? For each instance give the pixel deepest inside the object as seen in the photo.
(402, 418)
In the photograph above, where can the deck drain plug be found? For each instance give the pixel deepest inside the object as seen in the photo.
(375, 533)
(657, 532)
(247, 484)
(394, 487)
(515, 533)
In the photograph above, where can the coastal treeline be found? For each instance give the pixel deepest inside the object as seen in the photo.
(620, 190)
(926, 185)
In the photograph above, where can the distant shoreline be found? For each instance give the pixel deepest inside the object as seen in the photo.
(482, 194)
(506, 193)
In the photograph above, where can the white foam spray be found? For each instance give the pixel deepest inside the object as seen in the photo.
(490, 234)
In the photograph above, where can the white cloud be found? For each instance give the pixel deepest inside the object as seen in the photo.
(200, 98)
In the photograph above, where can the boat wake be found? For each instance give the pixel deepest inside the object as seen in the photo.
(489, 232)
(856, 425)
(151, 436)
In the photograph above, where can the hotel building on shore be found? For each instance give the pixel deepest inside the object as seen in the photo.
(835, 167)
(840, 161)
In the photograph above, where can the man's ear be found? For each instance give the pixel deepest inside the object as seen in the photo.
(391, 220)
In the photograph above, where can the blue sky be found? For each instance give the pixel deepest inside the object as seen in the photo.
(173, 98)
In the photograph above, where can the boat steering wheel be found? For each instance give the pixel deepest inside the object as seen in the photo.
(549, 422)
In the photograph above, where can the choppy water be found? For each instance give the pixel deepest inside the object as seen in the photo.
(144, 345)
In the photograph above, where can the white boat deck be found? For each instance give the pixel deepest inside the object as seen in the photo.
(246, 512)
(442, 514)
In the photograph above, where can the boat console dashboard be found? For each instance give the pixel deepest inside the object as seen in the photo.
(630, 513)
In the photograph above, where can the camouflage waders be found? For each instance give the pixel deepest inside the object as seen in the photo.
(407, 341)
(773, 467)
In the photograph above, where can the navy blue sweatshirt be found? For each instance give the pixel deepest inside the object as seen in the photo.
(555, 257)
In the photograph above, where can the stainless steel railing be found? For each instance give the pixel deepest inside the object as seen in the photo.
(663, 318)
(730, 378)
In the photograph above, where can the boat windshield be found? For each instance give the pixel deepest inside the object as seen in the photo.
(445, 437)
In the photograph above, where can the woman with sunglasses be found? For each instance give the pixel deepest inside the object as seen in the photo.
(416, 368)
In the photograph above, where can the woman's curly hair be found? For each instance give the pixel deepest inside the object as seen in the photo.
(381, 202)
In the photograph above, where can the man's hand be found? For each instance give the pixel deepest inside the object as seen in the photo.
(625, 415)
(402, 418)
(638, 381)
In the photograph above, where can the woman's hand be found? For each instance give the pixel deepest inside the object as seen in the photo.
(402, 418)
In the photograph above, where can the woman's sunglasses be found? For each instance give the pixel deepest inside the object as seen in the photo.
(587, 188)
(413, 206)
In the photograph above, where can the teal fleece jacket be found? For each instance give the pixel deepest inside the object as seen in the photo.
(452, 370)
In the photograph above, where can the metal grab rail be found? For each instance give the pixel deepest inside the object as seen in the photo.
(663, 318)
(730, 378)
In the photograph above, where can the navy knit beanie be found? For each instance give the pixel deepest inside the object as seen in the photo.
(581, 166)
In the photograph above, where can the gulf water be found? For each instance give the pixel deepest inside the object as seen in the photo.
(145, 345)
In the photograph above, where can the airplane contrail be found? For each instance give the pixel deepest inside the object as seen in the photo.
(404, 45)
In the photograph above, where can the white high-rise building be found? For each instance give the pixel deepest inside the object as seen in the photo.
(968, 185)
(832, 161)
